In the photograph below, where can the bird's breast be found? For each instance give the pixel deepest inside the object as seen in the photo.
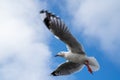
(77, 58)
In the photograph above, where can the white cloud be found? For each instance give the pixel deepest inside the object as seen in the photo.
(99, 19)
(24, 54)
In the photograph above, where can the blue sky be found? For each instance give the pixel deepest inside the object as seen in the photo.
(27, 48)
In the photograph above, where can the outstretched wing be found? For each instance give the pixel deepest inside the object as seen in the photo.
(67, 68)
(59, 29)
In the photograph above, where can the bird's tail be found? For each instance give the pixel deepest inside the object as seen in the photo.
(94, 65)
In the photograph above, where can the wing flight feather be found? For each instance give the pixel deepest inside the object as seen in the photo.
(59, 29)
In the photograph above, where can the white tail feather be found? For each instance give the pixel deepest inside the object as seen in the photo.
(94, 65)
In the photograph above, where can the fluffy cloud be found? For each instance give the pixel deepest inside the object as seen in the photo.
(24, 54)
(99, 19)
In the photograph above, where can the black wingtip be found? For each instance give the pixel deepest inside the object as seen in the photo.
(48, 13)
(53, 73)
(43, 11)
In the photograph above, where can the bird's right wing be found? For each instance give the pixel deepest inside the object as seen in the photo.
(59, 29)
(67, 68)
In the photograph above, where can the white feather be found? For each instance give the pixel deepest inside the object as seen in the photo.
(94, 65)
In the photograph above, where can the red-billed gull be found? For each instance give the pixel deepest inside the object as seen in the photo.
(76, 57)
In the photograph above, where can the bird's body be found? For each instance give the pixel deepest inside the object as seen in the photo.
(76, 56)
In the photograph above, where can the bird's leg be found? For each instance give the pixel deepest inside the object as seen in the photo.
(87, 64)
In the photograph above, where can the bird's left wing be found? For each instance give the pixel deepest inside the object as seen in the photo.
(67, 68)
(59, 29)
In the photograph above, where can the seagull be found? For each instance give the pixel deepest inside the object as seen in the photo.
(76, 57)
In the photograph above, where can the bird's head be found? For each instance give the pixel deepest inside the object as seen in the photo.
(61, 54)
